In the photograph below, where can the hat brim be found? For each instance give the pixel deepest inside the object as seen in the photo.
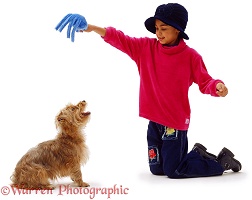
(150, 26)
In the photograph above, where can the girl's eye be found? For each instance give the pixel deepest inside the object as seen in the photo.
(162, 29)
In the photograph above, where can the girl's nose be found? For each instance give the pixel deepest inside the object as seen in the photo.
(158, 33)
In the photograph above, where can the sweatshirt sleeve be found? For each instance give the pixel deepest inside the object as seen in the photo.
(130, 45)
(207, 85)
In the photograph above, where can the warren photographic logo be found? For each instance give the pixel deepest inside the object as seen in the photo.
(91, 192)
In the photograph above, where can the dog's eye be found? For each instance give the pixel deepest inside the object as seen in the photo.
(73, 108)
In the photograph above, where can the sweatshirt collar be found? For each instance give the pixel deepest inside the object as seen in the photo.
(173, 49)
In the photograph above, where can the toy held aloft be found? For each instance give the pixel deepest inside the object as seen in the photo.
(75, 23)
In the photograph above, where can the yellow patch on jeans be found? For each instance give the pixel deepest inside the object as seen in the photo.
(170, 134)
(169, 131)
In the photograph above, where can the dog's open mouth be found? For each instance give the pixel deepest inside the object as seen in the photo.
(85, 113)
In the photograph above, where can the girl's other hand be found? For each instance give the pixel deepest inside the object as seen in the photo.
(222, 90)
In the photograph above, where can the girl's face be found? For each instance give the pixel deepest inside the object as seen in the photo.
(166, 34)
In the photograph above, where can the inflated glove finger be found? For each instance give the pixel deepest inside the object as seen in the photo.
(74, 29)
(61, 25)
(72, 20)
(73, 24)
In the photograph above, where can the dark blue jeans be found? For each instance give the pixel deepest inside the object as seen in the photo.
(168, 155)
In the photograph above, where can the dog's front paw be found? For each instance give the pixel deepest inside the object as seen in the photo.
(49, 187)
(83, 184)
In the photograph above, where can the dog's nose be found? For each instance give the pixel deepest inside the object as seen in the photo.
(83, 101)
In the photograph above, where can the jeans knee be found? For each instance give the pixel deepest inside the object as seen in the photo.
(170, 173)
(174, 174)
(156, 171)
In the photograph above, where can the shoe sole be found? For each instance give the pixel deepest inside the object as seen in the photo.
(200, 146)
(204, 149)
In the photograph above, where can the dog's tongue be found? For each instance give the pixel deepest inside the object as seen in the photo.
(86, 113)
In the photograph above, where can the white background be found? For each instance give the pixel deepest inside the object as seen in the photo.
(41, 71)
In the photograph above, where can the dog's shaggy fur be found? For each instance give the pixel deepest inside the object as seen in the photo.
(56, 158)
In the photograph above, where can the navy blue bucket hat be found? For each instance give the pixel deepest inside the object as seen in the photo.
(172, 14)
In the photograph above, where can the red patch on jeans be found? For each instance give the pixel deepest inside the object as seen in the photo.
(152, 154)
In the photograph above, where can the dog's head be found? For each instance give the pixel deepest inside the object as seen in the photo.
(72, 117)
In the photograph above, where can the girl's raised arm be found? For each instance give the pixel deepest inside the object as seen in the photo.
(99, 30)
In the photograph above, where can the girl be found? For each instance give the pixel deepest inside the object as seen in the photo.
(167, 68)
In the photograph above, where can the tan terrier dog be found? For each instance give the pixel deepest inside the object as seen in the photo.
(56, 158)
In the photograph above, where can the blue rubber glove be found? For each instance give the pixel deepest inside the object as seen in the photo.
(76, 23)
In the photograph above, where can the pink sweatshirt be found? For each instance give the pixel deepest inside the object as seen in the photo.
(166, 73)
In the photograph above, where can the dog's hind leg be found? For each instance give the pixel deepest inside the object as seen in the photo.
(41, 179)
(35, 177)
